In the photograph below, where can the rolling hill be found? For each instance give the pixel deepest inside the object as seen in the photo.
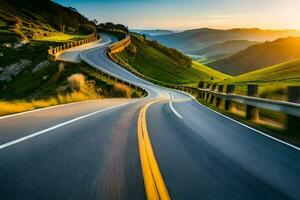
(194, 40)
(259, 56)
(32, 19)
(164, 64)
(287, 73)
(223, 49)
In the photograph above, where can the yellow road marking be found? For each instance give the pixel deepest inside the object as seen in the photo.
(154, 184)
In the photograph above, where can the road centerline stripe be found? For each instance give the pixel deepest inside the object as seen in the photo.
(173, 109)
(57, 126)
(153, 180)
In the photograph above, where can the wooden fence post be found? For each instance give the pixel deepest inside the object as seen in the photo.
(252, 112)
(200, 86)
(219, 100)
(228, 103)
(212, 97)
(206, 94)
(293, 122)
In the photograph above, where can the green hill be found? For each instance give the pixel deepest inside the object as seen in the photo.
(164, 64)
(287, 73)
(32, 19)
(259, 56)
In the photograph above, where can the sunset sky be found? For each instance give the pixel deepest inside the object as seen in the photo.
(188, 14)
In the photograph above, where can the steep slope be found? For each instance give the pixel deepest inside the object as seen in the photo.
(168, 65)
(32, 19)
(196, 39)
(259, 56)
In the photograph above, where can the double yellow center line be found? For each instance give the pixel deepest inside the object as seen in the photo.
(153, 181)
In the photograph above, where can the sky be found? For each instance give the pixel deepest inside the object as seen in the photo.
(190, 14)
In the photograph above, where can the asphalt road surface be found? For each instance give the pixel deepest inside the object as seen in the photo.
(90, 150)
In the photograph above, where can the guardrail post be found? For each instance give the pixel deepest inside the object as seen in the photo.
(228, 103)
(207, 94)
(201, 86)
(212, 96)
(252, 112)
(293, 122)
(219, 102)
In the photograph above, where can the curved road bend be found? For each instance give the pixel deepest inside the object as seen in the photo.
(89, 150)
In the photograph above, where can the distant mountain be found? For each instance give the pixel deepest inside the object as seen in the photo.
(259, 56)
(194, 40)
(37, 18)
(223, 49)
(156, 32)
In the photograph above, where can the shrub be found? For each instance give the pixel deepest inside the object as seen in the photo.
(76, 81)
(120, 90)
(135, 94)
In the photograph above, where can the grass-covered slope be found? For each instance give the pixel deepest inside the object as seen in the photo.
(164, 64)
(260, 56)
(272, 81)
(287, 73)
(32, 19)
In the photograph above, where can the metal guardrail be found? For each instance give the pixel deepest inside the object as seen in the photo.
(280, 106)
(53, 53)
(223, 97)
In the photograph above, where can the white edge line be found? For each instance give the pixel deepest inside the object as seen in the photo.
(58, 126)
(46, 108)
(173, 109)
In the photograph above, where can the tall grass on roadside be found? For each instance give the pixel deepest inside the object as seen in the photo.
(77, 89)
(120, 90)
(77, 81)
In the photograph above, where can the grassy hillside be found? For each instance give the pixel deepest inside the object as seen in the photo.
(27, 79)
(193, 40)
(259, 56)
(273, 81)
(32, 19)
(287, 73)
(223, 49)
(164, 64)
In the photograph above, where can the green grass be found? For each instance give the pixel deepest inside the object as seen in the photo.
(63, 37)
(154, 63)
(28, 85)
(272, 81)
(287, 73)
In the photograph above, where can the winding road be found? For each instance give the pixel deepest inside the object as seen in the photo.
(93, 149)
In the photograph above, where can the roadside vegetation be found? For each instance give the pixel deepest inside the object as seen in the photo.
(164, 64)
(272, 81)
(66, 84)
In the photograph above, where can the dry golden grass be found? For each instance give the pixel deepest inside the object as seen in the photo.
(77, 81)
(10, 107)
(120, 90)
